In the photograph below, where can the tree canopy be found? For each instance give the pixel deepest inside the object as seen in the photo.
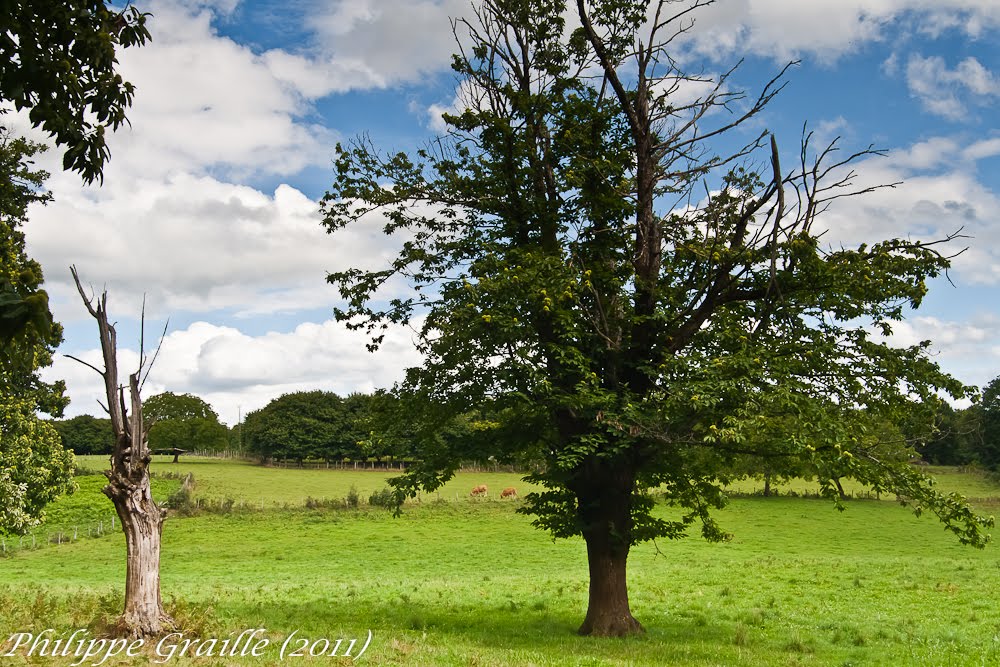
(320, 425)
(638, 304)
(988, 445)
(86, 434)
(58, 60)
(183, 421)
(34, 467)
(28, 334)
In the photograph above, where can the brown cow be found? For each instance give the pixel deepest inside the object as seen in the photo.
(479, 490)
(509, 492)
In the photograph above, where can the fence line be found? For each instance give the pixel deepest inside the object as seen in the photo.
(232, 454)
(10, 544)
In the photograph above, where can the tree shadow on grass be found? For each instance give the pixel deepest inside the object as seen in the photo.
(420, 633)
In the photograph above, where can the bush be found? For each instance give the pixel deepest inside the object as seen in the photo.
(385, 498)
(182, 501)
(352, 499)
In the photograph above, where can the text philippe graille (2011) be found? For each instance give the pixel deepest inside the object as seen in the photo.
(94, 651)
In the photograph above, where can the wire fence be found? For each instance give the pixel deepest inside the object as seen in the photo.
(10, 544)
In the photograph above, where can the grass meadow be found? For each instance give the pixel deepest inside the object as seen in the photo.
(455, 581)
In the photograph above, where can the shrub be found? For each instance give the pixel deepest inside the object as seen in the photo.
(385, 498)
(182, 501)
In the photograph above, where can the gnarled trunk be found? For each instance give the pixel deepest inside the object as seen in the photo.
(128, 485)
(142, 522)
(605, 510)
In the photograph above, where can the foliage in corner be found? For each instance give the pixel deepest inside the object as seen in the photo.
(58, 60)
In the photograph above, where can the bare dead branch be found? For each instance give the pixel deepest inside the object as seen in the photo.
(155, 355)
(87, 364)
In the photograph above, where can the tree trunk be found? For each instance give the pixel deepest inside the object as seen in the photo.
(767, 484)
(142, 522)
(608, 612)
(605, 511)
(128, 485)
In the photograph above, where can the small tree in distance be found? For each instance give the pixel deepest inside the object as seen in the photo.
(128, 483)
(634, 306)
(183, 422)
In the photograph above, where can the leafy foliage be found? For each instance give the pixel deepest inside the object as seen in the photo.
(34, 468)
(28, 334)
(570, 281)
(85, 434)
(183, 421)
(312, 425)
(988, 449)
(58, 59)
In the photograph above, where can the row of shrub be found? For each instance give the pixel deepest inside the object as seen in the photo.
(184, 503)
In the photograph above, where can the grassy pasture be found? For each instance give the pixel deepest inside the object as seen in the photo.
(472, 583)
(252, 483)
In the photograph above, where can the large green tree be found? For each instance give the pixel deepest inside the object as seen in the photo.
(183, 421)
(34, 467)
(987, 445)
(306, 425)
(632, 301)
(58, 60)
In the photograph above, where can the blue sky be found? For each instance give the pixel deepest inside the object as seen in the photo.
(209, 205)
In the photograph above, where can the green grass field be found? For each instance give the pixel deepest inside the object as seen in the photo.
(461, 582)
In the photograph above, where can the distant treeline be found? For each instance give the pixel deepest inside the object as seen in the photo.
(181, 421)
(969, 436)
(322, 426)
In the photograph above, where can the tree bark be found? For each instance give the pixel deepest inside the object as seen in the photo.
(605, 511)
(608, 611)
(142, 523)
(128, 486)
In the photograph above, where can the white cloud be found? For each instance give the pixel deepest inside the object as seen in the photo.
(203, 101)
(930, 154)
(196, 244)
(390, 41)
(938, 194)
(828, 29)
(206, 104)
(969, 350)
(237, 373)
(983, 149)
(947, 92)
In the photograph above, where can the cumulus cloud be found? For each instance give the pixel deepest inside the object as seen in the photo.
(203, 101)
(827, 29)
(948, 92)
(197, 244)
(236, 372)
(938, 193)
(969, 350)
(982, 149)
(387, 41)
